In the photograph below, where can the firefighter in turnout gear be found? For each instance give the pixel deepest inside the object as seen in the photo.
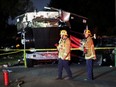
(89, 54)
(64, 48)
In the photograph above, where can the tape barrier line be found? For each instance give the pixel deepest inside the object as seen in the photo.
(9, 53)
(96, 48)
(103, 48)
(3, 50)
(53, 49)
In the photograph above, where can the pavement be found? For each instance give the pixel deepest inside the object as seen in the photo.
(44, 75)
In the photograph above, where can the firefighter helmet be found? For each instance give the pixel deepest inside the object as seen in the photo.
(63, 32)
(87, 32)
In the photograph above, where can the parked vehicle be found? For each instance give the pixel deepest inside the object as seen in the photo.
(39, 32)
(105, 53)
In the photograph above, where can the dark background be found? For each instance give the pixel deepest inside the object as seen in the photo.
(100, 14)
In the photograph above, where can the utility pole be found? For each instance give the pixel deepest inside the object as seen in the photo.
(24, 49)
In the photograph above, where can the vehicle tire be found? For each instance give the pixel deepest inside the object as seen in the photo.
(29, 63)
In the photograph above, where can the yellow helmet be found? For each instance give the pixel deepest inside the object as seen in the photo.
(87, 32)
(63, 32)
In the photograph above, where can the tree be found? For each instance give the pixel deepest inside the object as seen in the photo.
(11, 9)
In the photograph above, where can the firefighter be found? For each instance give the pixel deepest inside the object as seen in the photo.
(89, 54)
(64, 48)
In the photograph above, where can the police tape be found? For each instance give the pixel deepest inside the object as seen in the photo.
(8, 53)
(103, 48)
(13, 51)
(96, 48)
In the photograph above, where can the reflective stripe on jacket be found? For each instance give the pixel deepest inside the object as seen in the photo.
(90, 52)
(64, 48)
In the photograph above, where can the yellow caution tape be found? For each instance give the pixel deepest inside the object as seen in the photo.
(9, 53)
(53, 49)
(102, 48)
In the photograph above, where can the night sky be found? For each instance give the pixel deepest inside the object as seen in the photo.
(100, 13)
(40, 4)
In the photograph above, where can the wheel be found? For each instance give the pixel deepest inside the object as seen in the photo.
(29, 63)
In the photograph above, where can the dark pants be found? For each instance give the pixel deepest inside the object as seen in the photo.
(89, 64)
(64, 64)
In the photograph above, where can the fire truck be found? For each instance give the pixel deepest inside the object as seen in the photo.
(39, 32)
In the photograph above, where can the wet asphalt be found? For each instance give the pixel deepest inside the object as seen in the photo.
(44, 75)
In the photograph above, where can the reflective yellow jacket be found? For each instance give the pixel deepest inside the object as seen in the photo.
(89, 46)
(64, 48)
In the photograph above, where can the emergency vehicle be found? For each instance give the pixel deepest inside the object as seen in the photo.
(39, 32)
